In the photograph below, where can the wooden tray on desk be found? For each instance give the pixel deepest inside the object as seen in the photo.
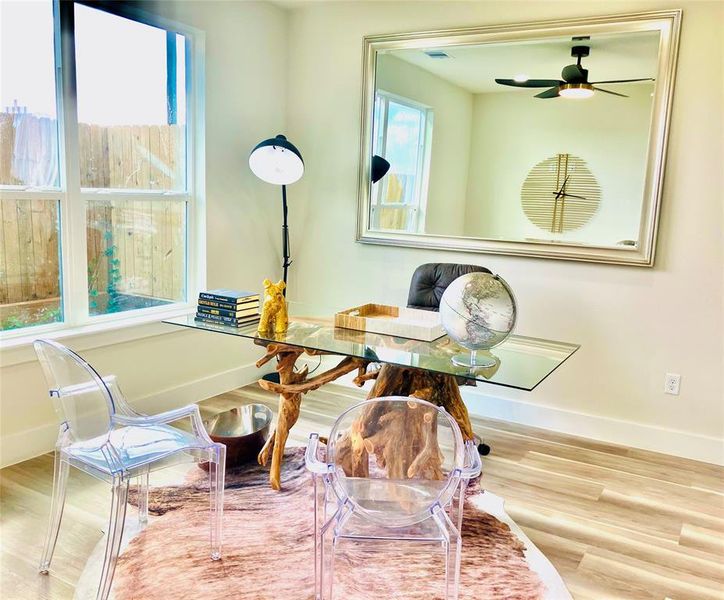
(408, 323)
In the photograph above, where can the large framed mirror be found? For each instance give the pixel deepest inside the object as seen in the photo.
(537, 139)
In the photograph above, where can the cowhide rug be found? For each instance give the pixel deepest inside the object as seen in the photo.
(268, 551)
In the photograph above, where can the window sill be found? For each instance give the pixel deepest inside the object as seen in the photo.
(18, 350)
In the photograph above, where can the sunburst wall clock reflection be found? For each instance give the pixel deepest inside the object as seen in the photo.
(560, 194)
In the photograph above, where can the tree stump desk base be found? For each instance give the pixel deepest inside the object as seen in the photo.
(390, 380)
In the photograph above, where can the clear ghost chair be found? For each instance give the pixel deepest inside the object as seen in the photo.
(103, 436)
(395, 469)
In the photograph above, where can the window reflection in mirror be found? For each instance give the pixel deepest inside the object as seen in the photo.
(404, 137)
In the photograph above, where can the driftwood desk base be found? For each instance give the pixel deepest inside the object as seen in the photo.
(390, 380)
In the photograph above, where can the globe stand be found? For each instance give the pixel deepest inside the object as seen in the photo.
(473, 360)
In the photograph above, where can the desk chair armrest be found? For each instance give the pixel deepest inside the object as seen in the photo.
(191, 411)
(313, 464)
(473, 465)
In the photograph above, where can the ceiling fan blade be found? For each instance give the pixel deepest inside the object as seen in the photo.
(574, 74)
(530, 83)
(551, 93)
(609, 92)
(624, 80)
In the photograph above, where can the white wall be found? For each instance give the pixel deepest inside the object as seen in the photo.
(512, 132)
(452, 109)
(634, 324)
(246, 67)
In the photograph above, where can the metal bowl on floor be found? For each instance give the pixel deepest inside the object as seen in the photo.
(243, 430)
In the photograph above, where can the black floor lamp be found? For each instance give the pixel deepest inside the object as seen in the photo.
(279, 162)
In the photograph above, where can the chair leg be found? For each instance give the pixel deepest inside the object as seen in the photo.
(327, 547)
(328, 541)
(321, 506)
(324, 571)
(452, 546)
(457, 559)
(60, 479)
(217, 471)
(142, 489)
(317, 516)
(446, 554)
(116, 522)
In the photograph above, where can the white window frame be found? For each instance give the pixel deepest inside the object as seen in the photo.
(418, 208)
(74, 200)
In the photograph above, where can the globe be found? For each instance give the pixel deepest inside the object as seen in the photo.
(478, 311)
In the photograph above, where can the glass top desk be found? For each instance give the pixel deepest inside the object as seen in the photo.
(520, 362)
(409, 367)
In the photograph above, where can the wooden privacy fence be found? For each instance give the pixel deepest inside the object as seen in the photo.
(139, 242)
(136, 157)
(28, 250)
(139, 157)
(142, 241)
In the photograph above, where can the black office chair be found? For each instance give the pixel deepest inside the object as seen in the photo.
(429, 282)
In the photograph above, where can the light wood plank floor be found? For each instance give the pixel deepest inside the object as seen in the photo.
(617, 523)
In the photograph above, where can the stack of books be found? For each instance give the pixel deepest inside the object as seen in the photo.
(228, 307)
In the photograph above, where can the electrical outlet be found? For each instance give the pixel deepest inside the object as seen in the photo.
(672, 384)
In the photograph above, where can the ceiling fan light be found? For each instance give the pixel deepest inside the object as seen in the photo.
(576, 91)
(521, 78)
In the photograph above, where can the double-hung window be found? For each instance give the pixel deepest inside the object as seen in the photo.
(99, 199)
(403, 136)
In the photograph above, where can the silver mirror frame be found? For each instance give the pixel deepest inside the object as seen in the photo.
(667, 22)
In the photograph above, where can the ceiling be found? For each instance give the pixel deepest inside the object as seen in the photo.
(474, 68)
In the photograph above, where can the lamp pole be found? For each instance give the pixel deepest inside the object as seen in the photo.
(285, 238)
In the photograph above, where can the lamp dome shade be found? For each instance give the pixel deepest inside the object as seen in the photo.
(379, 169)
(276, 161)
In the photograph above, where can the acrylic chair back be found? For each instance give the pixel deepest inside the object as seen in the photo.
(395, 458)
(80, 397)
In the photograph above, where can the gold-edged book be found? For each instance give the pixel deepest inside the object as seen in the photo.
(234, 314)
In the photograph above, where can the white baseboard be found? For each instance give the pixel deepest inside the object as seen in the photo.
(20, 446)
(29, 443)
(595, 427)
